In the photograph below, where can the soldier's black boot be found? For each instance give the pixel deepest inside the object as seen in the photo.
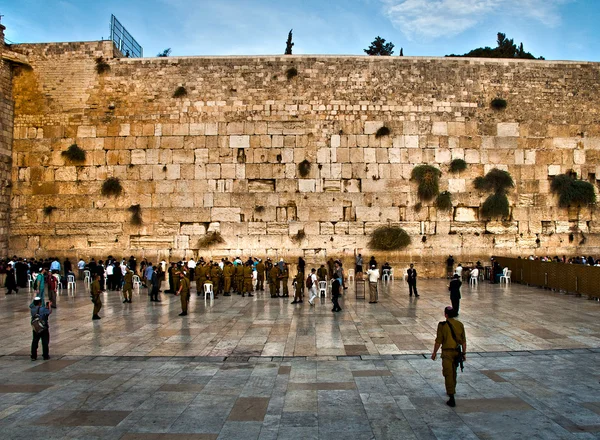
(451, 402)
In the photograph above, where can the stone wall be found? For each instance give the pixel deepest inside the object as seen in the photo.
(225, 156)
(6, 135)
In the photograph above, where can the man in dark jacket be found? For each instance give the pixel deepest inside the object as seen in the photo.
(454, 288)
(39, 311)
(412, 281)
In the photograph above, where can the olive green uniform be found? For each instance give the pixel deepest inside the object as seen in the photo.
(260, 276)
(184, 283)
(215, 277)
(284, 276)
(227, 277)
(95, 293)
(128, 285)
(247, 274)
(321, 273)
(449, 354)
(239, 278)
(273, 274)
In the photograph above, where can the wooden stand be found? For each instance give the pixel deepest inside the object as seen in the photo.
(359, 285)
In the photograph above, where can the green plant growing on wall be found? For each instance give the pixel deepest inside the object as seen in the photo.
(572, 192)
(210, 239)
(457, 165)
(48, 209)
(299, 236)
(74, 153)
(382, 131)
(136, 215)
(389, 238)
(304, 168)
(499, 182)
(498, 104)
(292, 72)
(102, 66)
(496, 205)
(111, 187)
(428, 178)
(259, 209)
(444, 201)
(180, 92)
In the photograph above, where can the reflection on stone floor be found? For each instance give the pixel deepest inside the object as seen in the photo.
(497, 318)
(241, 368)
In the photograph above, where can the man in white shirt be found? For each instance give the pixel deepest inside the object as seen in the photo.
(459, 270)
(373, 275)
(80, 268)
(313, 287)
(475, 272)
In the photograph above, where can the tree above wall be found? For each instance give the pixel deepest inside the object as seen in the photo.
(506, 48)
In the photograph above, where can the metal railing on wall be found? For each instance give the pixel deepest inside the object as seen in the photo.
(570, 278)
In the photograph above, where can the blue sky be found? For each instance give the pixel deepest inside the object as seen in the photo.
(555, 29)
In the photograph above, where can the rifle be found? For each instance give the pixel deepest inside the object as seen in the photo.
(460, 357)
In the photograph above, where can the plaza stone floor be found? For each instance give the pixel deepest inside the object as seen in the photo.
(261, 368)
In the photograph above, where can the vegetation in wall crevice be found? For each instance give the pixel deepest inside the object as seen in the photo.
(572, 191)
(210, 239)
(389, 238)
(74, 153)
(111, 187)
(427, 177)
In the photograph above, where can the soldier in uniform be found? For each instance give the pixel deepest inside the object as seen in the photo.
(215, 277)
(284, 276)
(273, 274)
(239, 277)
(247, 274)
(227, 277)
(299, 283)
(450, 334)
(95, 294)
(128, 286)
(322, 273)
(260, 275)
(184, 293)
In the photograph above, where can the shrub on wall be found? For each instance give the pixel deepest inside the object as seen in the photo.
(180, 92)
(389, 238)
(444, 201)
(382, 131)
(210, 239)
(428, 179)
(457, 165)
(572, 192)
(499, 104)
(304, 168)
(74, 153)
(48, 209)
(495, 180)
(299, 236)
(136, 215)
(111, 187)
(292, 72)
(498, 182)
(496, 205)
(102, 66)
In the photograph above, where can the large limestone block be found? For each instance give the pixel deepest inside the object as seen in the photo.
(508, 129)
(86, 131)
(371, 127)
(225, 214)
(440, 129)
(466, 214)
(500, 228)
(239, 141)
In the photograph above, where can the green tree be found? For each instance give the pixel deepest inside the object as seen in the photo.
(380, 48)
(289, 44)
(164, 53)
(506, 48)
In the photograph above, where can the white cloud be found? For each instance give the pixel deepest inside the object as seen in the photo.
(430, 19)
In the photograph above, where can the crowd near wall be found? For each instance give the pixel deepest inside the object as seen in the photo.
(224, 155)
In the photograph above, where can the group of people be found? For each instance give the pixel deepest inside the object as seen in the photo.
(579, 259)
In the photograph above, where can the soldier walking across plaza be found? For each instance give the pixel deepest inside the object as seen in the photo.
(95, 294)
(184, 293)
(453, 340)
(412, 281)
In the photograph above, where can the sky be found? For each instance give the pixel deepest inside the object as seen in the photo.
(554, 29)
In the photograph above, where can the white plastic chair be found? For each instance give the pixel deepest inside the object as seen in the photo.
(71, 284)
(87, 277)
(136, 281)
(506, 277)
(58, 284)
(405, 276)
(386, 275)
(350, 274)
(323, 288)
(208, 290)
(474, 280)
(29, 281)
(392, 274)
